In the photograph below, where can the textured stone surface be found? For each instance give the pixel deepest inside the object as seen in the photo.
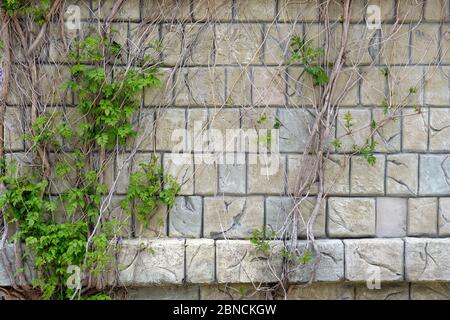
(237, 47)
(360, 129)
(167, 121)
(185, 217)
(422, 216)
(439, 129)
(395, 45)
(13, 130)
(330, 266)
(232, 178)
(436, 79)
(294, 132)
(387, 291)
(164, 293)
(425, 43)
(427, 259)
(365, 257)
(391, 217)
(402, 172)
(232, 217)
(217, 10)
(388, 136)
(372, 86)
(293, 10)
(351, 217)
(147, 262)
(259, 10)
(434, 173)
(322, 291)
(205, 176)
(430, 291)
(296, 164)
(180, 166)
(336, 174)
(269, 86)
(277, 44)
(267, 178)
(415, 130)
(366, 178)
(240, 261)
(444, 217)
(200, 261)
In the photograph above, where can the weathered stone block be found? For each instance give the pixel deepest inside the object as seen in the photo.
(337, 174)
(223, 125)
(395, 44)
(232, 217)
(199, 43)
(388, 136)
(200, 261)
(164, 293)
(206, 177)
(300, 89)
(169, 128)
(160, 95)
(425, 43)
(391, 217)
(147, 262)
(235, 46)
(444, 217)
(51, 81)
(294, 131)
(145, 138)
(422, 216)
(439, 129)
(351, 217)
(238, 90)
(402, 174)
(185, 217)
(430, 291)
(434, 170)
(330, 266)
(128, 11)
(436, 10)
(232, 178)
(362, 44)
(154, 225)
(436, 86)
(181, 167)
(415, 130)
(372, 86)
(388, 291)
(406, 88)
(240, 261)
(322, 291)
(268, 178)
(445, 44)
(366, 178)
(346, 90)
(124, 168)
(216, 10)
(359, 131)
(255, 10)
(297, 164)
(144, 41)
(13, 130)
(277, 44)
(291, 10)
(365, 258)
(409, 10)
(427, 259)
(165, 10)
(269, 86)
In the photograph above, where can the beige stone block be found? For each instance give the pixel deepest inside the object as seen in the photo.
(406, 86)
(171, 43)
(13, 130)
(422, 216)
(306, 209)
(277, 42)
(402, 173)
(232, 217)
(387, 135)
(122, 223)
(199, 44)
(238, 46)
(160, 95)
(205, 178)
(304, 11)
(444, 217)
(144, 42)
(436, 86)
(445, 43)
(395, 44)
(181, 167)
(200, 261)
(145, 138)
(130, 10)
(269, 86)
(409, 10)
(436, 10)
(265, 177)
(223, 122)
(357, 10)
(361, 43)
(255, 10)
(415, 130)
(238, 86)
(170, 125)
(388, 291)
(425, 43)
(322, 291)
(166, 10)
(387, 9)
(212, 10)
(346, 90)
(336, 174)
(430, 291)
(367, 179)
(372, 86)
(359, 131)
(51, 80)
(297, 164)
(439, 129)
(155, 226)
(300, 88)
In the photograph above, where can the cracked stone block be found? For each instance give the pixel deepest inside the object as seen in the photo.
(232, 178)
(351, 217)
(402, 172)
(255, 10)
(205, 177)
(322, 291)
(427, 259)
(391, 217)
(200, 261)
(394, 44)
(238, 261)
(13, 131)
(425, 43)
(279, 208)
(388, 136)
(434, 174)
(422, 216)
(436, 10)
(330, 266)
(430, 291)
(294, 131)
(199, 43)
(160, 95)
(445, 44)
(185, 217)
(240, 291)
(216, 10)
(444, 217)
(232, 217)
(439, 129)
(406, 86)
(238, 85)
(266, 176)
(336, 174)
(235, 46)
(277, 44)
(436, 83)
(163, 293)
(170, 129)
(300, 89)
(372, 86)
(387, 291)
(409, 10)
(360, 129)
(151, 262)
(145, 138)
(367, 259)
(415, 130)
(269, 86)
(165, 10)
(296, 165)
(181, 167)
(291, 10)
(200, 87)
(129, 11)
(366, 178)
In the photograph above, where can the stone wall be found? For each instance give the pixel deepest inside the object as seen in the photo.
(226, 63)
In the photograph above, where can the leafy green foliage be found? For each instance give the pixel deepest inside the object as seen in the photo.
(36, 8)
(367, 151)
(259, 239)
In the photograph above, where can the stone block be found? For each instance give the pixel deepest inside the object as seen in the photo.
(337, 174)
(365, 258)
(151, 262)
(239, 261)
(362, 45)
(409, 10)
(444, 217)
(425, 44)
(305, 11)
(200, 261)
(255, 10)
(238, 90)
(235, 46)
(206, 177)
(427, 259)
(269, 86)
(160, 95)
(430, 291)
(277, 44)
(402, 174)
(145, 138)
(359, 131)
(171, 44)
(422, 216)
(51, 81)
(388, 135)
(130, 10)
(212, 10)
(391, 217)
(395, 44)
(181, 167)
(439, 129)
(165, 10)
(445, 43)
(144, 42)
(169, 129)
(294, 130)
(154, 225)
(267, 178)
(185, 217)
(388, 291)
(300, 89)
(406, 86)
(232, 217)
(330, 265)
(436, 86)
(125, 167)
(373, 83)
(436, 10)
(322, 291)
(433, 173)
(351, 217)
(198, 43)
(297, 164)
(366, 178)
(346, 90)
(164, 293)
(415, 130)
(223, 125)
(13, 130)
(232, 178)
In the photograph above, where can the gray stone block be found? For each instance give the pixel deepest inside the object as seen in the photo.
(294, 130)
(185, 218)
(200, 261)
(387, 291)
(391, 217)
(232, 178)
(434, 174)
